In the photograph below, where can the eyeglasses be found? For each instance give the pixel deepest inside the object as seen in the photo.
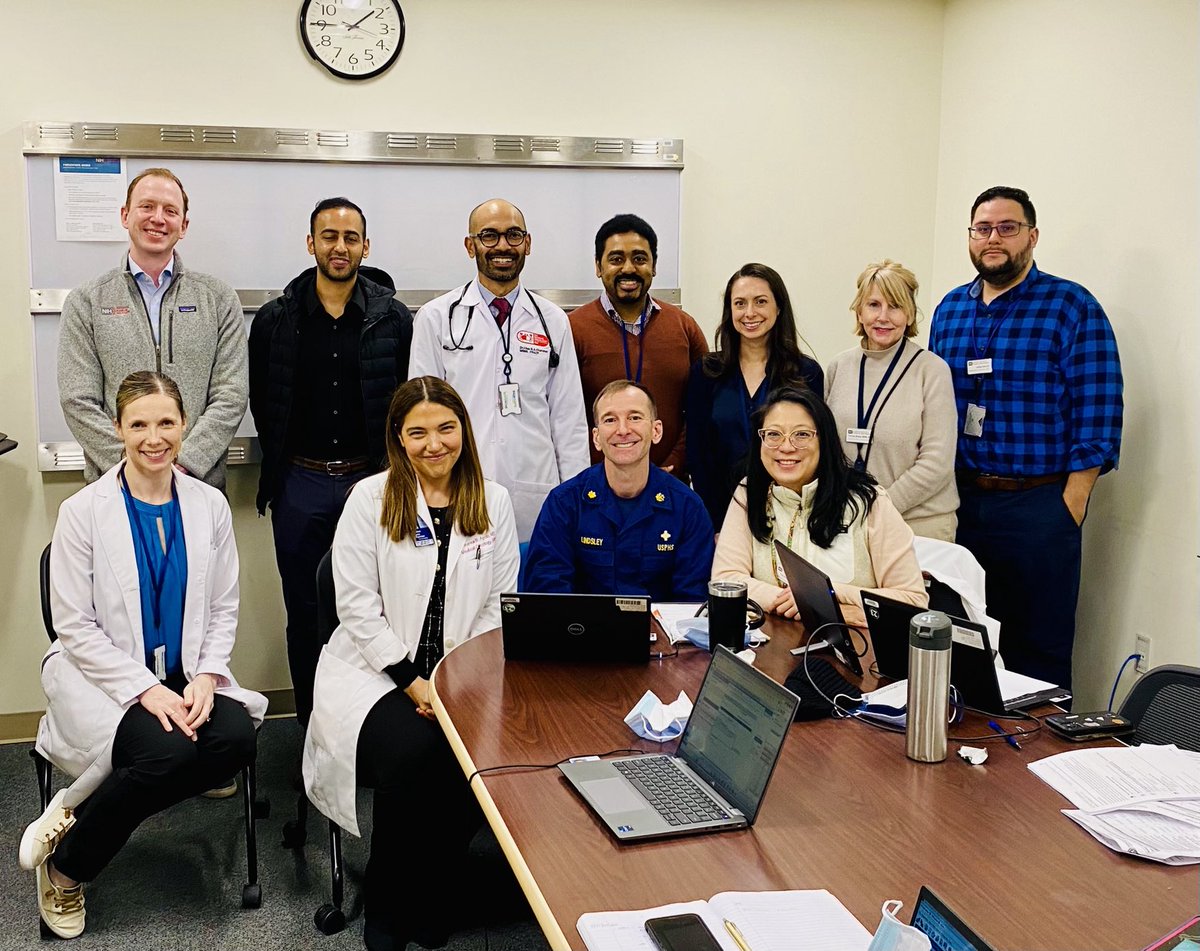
(490, 237)
(1006, 229)
(799, 438)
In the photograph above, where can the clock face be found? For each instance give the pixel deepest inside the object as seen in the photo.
(353, 39)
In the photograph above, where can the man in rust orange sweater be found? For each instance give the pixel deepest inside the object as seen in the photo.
(627, 335)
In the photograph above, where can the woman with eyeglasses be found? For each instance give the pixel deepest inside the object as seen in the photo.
(420, 557)
(894, 403)
(801, 490)
(757, 352)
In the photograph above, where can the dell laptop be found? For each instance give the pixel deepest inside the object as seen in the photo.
(719, 775)
(817, 604)
(575, 627)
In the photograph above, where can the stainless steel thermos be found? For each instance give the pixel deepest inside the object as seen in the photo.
(929, 638)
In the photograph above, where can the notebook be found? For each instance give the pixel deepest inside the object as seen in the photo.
(944, 929)
(817, 604)
(972, 661)
(719, 775)
(575, 627)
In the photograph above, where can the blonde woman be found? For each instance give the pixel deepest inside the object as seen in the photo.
(894, 403)
(420, 557)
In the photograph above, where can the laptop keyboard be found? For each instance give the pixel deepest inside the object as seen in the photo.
(670, 791)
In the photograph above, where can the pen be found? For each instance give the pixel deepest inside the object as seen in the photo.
(736, 935)
(702, 610)
(1008, 737)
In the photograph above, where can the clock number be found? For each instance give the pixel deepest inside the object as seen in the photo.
(328, 9)
(352, 60)
(319, 24)
(337, 54)
(384, 29)
(368, 56)
(381, 44)
(325, 41)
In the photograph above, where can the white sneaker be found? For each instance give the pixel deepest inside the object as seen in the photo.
(222, 792)
(60, 908)
(41, 837)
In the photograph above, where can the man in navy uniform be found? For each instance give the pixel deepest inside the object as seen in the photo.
(623, 526)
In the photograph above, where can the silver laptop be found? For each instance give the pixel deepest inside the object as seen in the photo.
(719, 775)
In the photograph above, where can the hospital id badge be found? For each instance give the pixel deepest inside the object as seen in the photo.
(423, 537)
(858, 437)
(979, 367)
(973, 424)
(160, 662)
(510, 399)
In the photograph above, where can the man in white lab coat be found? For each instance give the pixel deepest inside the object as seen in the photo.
(510, 356)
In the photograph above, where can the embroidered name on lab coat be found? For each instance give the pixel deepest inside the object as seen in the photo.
(589, 540)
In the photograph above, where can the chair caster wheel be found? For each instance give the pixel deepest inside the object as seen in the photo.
(44, 930)
(251, 895)
(329, 920)
(262, 809)
(294, 835)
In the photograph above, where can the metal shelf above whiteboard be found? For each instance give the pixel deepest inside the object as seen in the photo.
(132, 140)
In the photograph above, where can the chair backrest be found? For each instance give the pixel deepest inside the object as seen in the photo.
(327, 619)
(44, 579)
(1165, 705)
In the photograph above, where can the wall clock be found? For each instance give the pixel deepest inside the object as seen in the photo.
(353, 39)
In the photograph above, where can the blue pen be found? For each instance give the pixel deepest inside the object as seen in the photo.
(1008, 737)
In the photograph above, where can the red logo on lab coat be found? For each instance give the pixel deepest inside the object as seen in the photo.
(533, 339)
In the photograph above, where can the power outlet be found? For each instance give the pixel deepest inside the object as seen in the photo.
(1143, 647)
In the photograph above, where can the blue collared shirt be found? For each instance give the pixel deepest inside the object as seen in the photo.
(1054, 396)
(634, 328)
(152, 295)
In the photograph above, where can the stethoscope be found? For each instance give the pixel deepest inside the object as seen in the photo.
(455, 345)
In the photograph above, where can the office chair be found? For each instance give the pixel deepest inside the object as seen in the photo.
(329, 918)
(253, 808)
(1165, 706)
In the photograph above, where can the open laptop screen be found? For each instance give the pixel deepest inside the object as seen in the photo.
(736, 730)
(943, 928)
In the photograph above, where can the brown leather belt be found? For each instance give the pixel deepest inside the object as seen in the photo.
(995, 483)
(332, 466)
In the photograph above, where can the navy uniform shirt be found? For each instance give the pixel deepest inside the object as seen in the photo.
(588, 541)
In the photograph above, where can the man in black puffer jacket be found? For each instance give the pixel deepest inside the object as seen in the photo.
(325, 359)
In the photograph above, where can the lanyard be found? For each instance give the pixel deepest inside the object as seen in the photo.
(506, 342)
(860, 463)
(157, 578)
(981, 352)
(641, 346)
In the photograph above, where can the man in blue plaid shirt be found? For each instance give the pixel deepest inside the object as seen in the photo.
(1038, 383)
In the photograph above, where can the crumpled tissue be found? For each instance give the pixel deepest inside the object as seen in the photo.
(651, 719)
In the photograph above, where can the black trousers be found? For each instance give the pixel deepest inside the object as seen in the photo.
(424, 813)
(303, 518)
(152, 769)
(1030, 547)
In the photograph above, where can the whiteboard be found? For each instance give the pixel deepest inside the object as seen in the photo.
(248, 220)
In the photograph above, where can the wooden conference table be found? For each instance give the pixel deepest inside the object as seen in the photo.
(845, 811)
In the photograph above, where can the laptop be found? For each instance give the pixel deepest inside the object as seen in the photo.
(817, 604)
(972, 661)
(944, 929)
(719, 775)
(575, 627)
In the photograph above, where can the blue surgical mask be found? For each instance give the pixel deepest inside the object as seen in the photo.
(894, 935)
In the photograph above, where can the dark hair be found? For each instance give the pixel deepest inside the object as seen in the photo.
(326, 203)
(147, 383)
(156, 173)
(839, 485)
(783, 355)
(1019, 195)
(467, 497)
(623, 224)
(618, 385)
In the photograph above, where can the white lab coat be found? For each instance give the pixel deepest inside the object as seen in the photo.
(547, 443)
(955, 566)
(383, 590)
(96, 669)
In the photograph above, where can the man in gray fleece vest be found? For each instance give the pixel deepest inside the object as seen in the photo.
(152, 313)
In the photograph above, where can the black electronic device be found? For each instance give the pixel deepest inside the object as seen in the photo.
(681, 933)
(817, 605)
(1089, 726)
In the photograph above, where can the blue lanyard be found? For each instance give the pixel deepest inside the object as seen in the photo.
(865, 416)
(157, 578)
(641, 346)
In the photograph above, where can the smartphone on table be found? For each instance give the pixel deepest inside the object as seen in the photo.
(681, 933)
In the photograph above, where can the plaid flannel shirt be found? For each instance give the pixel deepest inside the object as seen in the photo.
(1053, 398)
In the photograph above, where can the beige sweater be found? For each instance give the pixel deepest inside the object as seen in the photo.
(875, 552)
(914, 439)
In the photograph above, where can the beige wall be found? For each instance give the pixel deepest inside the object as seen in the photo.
(1091, 107)
(819, 135)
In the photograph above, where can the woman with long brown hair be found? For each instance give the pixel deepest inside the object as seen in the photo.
(420, 557)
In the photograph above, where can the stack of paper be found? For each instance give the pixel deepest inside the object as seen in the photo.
(1141, 800)
(670, 613)
(769, 921)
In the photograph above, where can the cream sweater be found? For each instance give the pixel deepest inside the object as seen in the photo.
(914, 437)
(875, 552)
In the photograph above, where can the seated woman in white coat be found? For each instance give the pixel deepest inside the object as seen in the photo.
(801, 490)
(421, 555)
(141, 706)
